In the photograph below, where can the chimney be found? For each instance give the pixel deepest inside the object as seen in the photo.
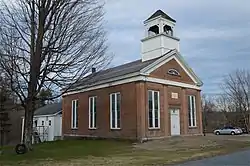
(93, 69)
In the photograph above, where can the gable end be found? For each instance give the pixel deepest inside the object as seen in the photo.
(173, 62)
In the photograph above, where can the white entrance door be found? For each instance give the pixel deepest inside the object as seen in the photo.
(175, 121)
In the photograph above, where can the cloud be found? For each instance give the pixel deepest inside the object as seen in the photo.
(215, 36)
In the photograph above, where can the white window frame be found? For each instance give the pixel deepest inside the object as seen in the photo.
(93, 125)
(153, 110)
(110, 99)
(74, 119)
(192, 111)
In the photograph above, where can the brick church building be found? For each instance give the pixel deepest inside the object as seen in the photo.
(154, 97)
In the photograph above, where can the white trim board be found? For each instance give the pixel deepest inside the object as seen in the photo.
(173, 83)
(134, 79)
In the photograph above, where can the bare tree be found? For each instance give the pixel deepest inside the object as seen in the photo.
(208, 103)
(208, 108)
(223, 103)
(49, 44)
(237, 93)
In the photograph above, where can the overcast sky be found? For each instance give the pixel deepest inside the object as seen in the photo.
(215, 35)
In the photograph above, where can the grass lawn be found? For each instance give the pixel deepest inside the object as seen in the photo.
(103, 152)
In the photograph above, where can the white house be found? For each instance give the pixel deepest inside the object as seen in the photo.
(47, 123)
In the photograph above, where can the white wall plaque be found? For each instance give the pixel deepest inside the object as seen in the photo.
(174, 95)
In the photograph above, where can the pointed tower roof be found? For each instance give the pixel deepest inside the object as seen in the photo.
(161, 13)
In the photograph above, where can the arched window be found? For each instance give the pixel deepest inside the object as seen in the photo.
(154, 30)
(173, 72)
(168, 30)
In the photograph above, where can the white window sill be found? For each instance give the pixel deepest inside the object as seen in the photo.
(192, 127)
(74, 128)
(154, 128)
(92, 128)
(115, 128)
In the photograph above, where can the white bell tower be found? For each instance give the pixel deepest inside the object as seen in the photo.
(159, 36)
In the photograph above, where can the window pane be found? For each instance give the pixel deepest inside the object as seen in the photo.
(113, 122)
(73, 114)
(189, 112)
(94, 112)
(112, 110)
(118, 110)
(150, 101)
(193, 110)
(156, 110)
(91, 111)
(118, 102)
(113, 102)
(150, 119)
(156, 122)
(150, 94)
(113, 118)
(156, 100)
(150, 108)
(76, 113)
(156, 116)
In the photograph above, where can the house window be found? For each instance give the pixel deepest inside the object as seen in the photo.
(92, 112)
(115, 111)
(191, 111)
(49, 122)
(74, 114)
(42, 123)
(154, 109)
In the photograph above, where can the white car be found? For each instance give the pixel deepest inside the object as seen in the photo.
(228, 130)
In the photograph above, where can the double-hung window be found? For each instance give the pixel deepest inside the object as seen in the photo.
(92, 112)
(153, 109)
(74, 114)
(115, 110)
(191, 111)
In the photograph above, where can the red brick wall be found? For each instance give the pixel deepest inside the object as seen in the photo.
(134, 111)
(128, 113)
(166, 102)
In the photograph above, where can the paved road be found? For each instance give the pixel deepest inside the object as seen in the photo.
(235, 159)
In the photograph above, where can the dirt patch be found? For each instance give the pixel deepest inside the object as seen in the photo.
(191, 142)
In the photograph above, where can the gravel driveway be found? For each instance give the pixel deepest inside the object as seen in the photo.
(235, 159)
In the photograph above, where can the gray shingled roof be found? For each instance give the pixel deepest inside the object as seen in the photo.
(110, 73)
(161, 13)
(105, 75)
(49, 109)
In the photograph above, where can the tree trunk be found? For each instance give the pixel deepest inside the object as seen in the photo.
(248, 121)
(28, 125)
